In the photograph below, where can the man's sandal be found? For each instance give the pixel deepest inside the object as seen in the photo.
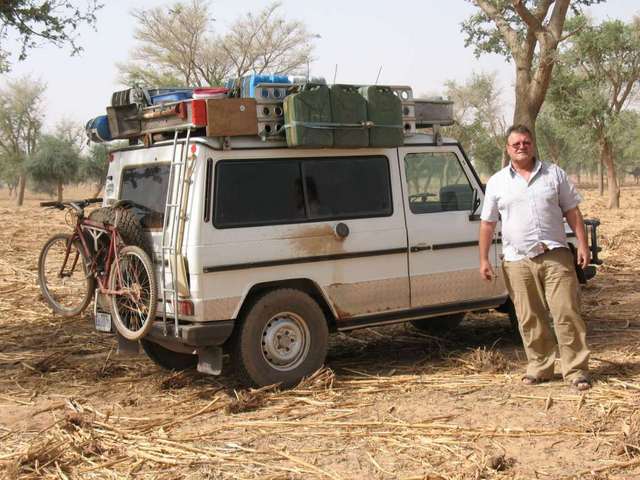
(581, 384)
(531, 380)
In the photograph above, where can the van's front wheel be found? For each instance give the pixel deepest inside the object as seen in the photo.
(282, 338)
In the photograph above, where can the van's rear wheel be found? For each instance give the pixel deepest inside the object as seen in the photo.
(438, 325)
(282, 338)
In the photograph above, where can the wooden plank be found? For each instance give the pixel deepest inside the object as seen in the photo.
(231, 117)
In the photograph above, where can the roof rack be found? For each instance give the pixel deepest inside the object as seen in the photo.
(261, 115)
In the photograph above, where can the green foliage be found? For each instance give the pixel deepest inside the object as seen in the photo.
(21, 118)
(597, 77)
(57, 162)
(479, 125)
(95, 165)
(52, 21)
(484, 34)
(10, 169)
(572, 147)
(625, 133)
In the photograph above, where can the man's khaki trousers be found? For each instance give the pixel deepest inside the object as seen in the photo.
(545, 283)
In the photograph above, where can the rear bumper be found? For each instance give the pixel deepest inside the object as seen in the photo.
(196, 335)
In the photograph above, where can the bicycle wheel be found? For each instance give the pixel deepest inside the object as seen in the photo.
(65, 281)
(134, 306)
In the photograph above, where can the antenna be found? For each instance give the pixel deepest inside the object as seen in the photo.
(335, 74)
(308, 70)
(378, 77)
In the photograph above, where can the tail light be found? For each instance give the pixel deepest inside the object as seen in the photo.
(185, 307)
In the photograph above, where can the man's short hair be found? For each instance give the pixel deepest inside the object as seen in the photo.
(519, 128)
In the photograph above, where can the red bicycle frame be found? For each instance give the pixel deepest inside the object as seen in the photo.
(95, 230)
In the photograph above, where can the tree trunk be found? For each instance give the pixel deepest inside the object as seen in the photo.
(504, 161)
(22, 183)
(600, 178)
(98, 189)
(60, 190)
(525, 113)
(606, 159)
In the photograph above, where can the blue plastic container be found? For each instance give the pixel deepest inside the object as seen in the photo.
(248, 83)
(98, 129)
(176, 95)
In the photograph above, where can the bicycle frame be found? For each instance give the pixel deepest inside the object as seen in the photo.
(111, 266)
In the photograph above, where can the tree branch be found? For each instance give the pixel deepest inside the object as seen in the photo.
(508, 34)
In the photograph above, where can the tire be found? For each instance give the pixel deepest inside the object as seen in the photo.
(68, 295)
(439, 325)
(129, 226)
(285, 315)
(134, 311)
(168, 359)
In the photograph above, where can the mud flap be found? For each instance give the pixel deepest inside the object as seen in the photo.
(210, 360)
(127, 347)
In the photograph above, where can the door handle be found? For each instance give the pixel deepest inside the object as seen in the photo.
(420, 247)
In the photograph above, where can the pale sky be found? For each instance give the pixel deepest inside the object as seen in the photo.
(416, 42)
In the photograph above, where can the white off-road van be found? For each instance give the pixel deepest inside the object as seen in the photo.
(264, 250)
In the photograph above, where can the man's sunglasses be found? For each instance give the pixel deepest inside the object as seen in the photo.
(520, 144)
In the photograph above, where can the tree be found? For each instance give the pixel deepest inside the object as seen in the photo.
(95, 165)
(55, 164)
(597, 79)
(9, 173)
(21, 117)
(176, 47)
(569, 146)
(50, 21)
(479, 124)
(527, 32)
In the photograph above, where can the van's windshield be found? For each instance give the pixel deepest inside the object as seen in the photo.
(145, 188)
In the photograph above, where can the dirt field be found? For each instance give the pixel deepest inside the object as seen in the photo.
(391, 404)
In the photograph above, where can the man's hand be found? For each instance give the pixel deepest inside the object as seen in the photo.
(576, 222)
(486, 234)
(583, 256)
(486, 270)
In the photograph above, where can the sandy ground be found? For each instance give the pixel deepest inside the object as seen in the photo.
(391, 404)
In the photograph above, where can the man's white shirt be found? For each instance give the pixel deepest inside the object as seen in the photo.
(532, 213)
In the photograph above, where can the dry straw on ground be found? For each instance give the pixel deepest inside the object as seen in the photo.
(392, 403)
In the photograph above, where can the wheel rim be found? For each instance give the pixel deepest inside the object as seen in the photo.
(69, 290)
(134, 304)
(285, 341)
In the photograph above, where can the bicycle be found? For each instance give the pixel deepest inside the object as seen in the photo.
(71, 267)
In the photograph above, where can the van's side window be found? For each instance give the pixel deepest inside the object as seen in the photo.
(271, 192)
(436, 182)
(338, 188)
(145, 187)
(257, 192)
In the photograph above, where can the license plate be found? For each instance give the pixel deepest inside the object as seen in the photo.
(103, 322)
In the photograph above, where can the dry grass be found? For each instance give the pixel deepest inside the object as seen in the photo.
(392, 404)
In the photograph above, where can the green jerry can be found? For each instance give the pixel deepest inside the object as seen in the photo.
(307, 117)
(384, 109)
(349, 113)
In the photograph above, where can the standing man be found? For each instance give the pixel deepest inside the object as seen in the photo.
(532, 197)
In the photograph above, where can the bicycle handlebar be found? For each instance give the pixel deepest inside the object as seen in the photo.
(75, 204)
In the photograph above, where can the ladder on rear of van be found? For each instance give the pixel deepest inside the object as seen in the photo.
(173, 223)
